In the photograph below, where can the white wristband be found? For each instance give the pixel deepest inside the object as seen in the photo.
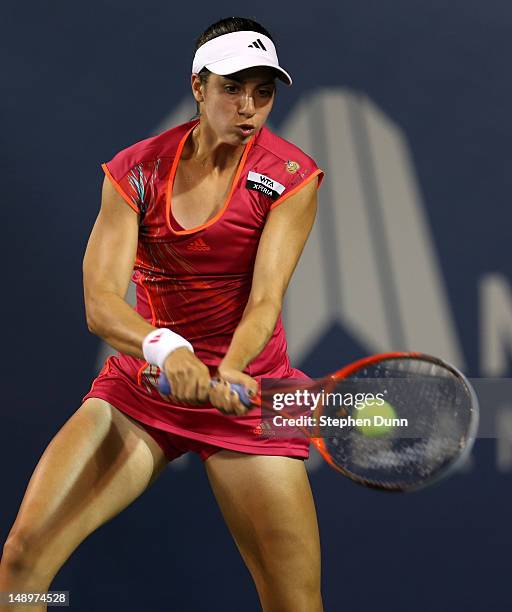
(160, 343)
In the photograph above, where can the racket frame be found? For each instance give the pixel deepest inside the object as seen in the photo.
(457, 462)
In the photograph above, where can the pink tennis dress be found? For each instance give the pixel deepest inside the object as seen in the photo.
(197, 283)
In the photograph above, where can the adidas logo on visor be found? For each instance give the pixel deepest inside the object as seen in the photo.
(258, 45)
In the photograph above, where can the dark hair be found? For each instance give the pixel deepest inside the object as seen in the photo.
(226, 26)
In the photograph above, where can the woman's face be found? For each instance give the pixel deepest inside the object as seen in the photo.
(235, 107)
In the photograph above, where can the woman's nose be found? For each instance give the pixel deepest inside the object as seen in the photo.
(247, 105)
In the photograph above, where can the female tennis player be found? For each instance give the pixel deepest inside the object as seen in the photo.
(209, 220)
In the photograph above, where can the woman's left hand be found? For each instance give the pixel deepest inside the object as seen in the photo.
(223, 398)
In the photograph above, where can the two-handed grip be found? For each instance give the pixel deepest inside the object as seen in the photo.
(165, 388)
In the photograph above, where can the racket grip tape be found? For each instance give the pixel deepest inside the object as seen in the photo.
(165, 388)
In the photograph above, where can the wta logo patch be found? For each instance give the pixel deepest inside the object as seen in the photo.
(264, 184)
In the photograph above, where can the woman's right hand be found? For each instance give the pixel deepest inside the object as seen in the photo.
(188, 376)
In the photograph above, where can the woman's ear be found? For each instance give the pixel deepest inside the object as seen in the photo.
(197, 88)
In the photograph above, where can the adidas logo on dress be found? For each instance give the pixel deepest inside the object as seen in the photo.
(198, 245)
(258, 45)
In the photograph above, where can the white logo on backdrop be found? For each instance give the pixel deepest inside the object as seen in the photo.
(370, 262)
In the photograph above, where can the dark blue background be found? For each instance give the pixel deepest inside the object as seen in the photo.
(83, 80)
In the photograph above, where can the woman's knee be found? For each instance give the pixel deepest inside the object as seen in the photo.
(285, 555)
(288, 576)
(21, 554)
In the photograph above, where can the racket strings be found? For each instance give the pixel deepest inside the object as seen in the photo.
(432, 399)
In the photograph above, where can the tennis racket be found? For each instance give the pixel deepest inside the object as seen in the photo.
(433, 397)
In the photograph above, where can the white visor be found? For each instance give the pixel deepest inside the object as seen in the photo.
(237, 51)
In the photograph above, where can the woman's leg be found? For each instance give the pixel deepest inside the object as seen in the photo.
(97, 464)
(268, 507)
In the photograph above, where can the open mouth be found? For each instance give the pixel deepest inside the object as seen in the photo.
(246, 129)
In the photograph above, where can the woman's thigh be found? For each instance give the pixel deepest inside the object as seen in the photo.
(97, 464)
(268, 506)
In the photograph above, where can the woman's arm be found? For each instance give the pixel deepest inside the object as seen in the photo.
(282, 241)
(107, 269)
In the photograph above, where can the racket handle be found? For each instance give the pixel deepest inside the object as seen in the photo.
(165, 388)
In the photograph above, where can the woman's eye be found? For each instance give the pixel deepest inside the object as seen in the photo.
(266, 93)
(230, 89)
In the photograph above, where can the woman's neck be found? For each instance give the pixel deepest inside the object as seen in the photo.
(207, 150)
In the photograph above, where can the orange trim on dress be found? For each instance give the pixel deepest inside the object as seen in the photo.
(119, 189)
(297, 188)
(153, 321)
(170, 185)
(104, 370)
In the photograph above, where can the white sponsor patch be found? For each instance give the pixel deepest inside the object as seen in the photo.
(264, 184)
